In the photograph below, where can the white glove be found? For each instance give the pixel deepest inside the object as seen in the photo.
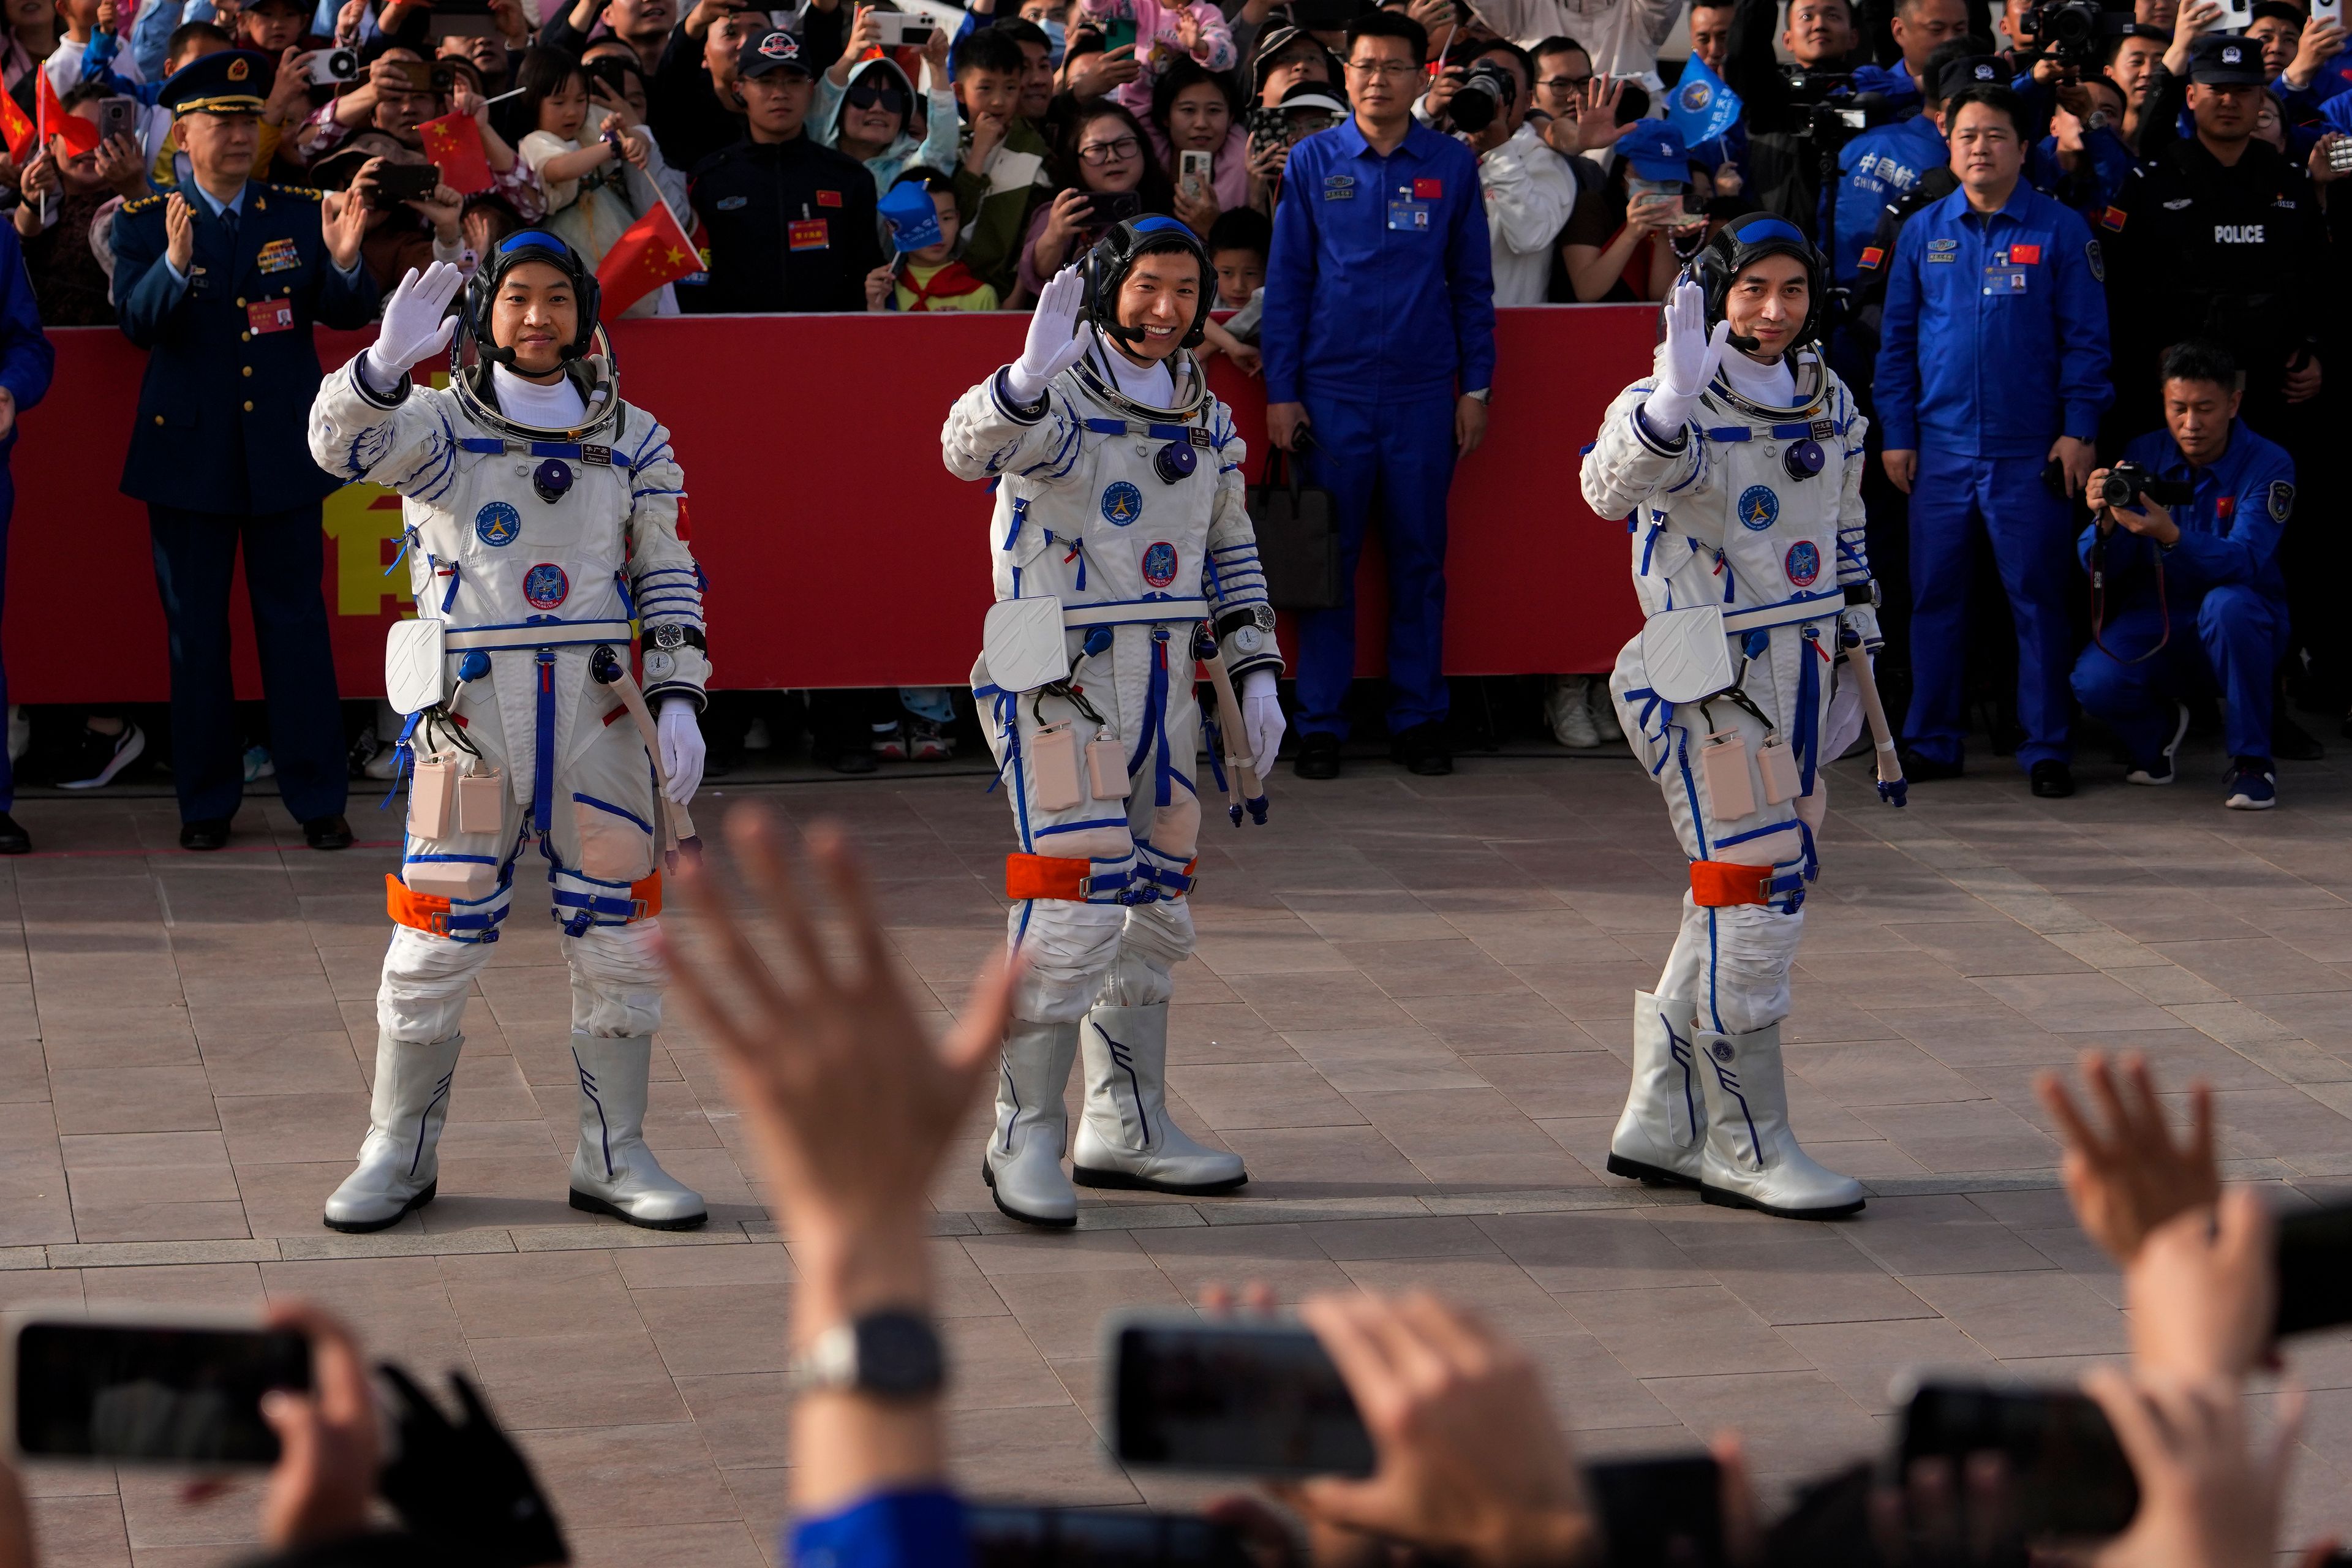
(1692, 356)
(417, 324)
(681, 747)
(1261, 721)
(1054, 344)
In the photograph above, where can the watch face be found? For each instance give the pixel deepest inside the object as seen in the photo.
(1264, 617)
(1249, 639)
(668, 637)
(897, 1354)
(660, 666)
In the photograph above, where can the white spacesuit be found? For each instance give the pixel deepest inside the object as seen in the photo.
(1118, 516)
(1741, 482)
(540, 519)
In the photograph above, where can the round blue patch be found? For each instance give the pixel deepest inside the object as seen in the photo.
(1804, 563)
(1160, 564)
(546, 586)
(1122, 503)
(1760, 509)
(498, 524)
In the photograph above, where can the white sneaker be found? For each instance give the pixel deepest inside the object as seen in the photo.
(757, 737)
(1604, 711)
(257, 765)
(20, 731)
(383, 765)
(1569, 710)
(2160, 769)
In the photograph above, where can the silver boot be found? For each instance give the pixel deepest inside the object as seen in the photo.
(1662, 1131)
(1022, 1166)
(613, 1172)
(399, 1168)
(1125, 1137)
(1752, 1158)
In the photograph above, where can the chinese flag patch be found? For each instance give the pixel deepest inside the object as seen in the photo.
(2024, 255)
(828, 198)
(1871, 257)
(2223, 506)
(1428, 190)
(2112, 218)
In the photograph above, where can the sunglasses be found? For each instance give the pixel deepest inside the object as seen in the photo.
(865, 96)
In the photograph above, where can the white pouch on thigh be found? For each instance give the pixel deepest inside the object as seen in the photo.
(1685, 653)
(614, 845)
(1023, 644)
(416, 672)
(462, 879)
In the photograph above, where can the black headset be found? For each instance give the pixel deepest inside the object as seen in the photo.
(528, 245)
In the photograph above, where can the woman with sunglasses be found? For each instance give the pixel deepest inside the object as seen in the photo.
(865, 108)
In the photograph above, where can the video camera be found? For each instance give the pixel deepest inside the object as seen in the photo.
(2075, 31)
(1824, 108)
(2126, 483)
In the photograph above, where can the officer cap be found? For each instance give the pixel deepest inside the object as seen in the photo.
(772, 50)
(1655, 148)
(232, 81)
(2219, 59)
(1968, 71)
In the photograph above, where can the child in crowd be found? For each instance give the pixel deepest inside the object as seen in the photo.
(594, 192)
(1239, 243)
(930, 278)
(1162, 33)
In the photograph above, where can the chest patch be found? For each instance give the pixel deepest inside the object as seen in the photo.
(498, 524)
(1760, 509)
(1802, 563)
(546, 586)
(1159, 564)
(1122, 503)
(278, 255)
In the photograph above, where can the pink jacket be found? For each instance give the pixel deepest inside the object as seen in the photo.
(1228, 177)
(1157, 47)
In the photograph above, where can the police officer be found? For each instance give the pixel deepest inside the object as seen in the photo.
(792, 221)
(2221, 237)
(1379, 336)
(1992, 368)
(221, 282)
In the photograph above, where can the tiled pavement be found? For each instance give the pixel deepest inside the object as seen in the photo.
(1410, 1013)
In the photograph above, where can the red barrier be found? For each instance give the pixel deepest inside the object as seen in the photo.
(840, 552)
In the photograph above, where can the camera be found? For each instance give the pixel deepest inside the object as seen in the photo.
(1482, 97)
(2126, 483)
(2075, 31)
(1824, 106)
(329, 66)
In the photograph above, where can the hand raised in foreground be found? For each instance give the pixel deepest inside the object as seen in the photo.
(2131, 1174)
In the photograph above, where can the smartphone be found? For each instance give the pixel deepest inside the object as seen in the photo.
(1009, 1536)
(118, 117)
(1259, 1398)
(1114, 206)
(439, 26)
(1117, 32)
(1194, 169)
(395, 182)
(2237, 16)
(1657, 1512)
(2068, 1476)
(2315, 1248)
(903, 30)
(152, 1392)
(2327, 11)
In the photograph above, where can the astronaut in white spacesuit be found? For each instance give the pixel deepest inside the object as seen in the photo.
(541, 514)
(1118, 530)
(1740, 475)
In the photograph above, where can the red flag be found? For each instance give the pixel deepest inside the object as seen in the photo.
(79, 135)
(653, 251)
(17, 127)
(454, 143)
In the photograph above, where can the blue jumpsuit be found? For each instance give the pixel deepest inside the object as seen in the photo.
(2223, 593)
(1993, 344)
(1380, 311)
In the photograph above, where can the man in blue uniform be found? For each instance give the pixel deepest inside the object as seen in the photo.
(1992, 372)
(1379, 339)
(221, 282)
(1880, 167)
(26, 360)
(2190, 596)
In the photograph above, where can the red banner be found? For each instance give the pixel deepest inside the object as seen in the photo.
(840, 552)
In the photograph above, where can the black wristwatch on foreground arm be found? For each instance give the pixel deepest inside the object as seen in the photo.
(891, 1354)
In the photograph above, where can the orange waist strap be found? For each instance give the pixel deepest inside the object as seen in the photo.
(1045, 877)
(421, 912)
(1716, 883)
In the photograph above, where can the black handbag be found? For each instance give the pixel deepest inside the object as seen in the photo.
(1297, 539)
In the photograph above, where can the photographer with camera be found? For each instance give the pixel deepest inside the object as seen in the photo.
(1783, 161)
(1528, 188)
(1880, 167)
(2187, 588)
(1993, 375)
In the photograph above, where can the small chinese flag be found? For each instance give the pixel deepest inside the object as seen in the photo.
(17, 126)
(79, 135)
(454, 143)
(654, 250)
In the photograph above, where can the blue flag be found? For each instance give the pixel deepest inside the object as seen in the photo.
(913, 220)
(1699, 105)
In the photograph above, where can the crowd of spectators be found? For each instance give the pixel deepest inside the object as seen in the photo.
(2178, 161)
(849, 1107)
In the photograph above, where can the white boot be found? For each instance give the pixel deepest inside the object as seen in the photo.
(1662, 1133)
(399, 1168)
(1126, 1138)
(613, 1172)
(1569, 711)
(1752, 1159)
(1022, 1166)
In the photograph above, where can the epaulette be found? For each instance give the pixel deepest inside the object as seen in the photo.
(143, 203)
(302, 193)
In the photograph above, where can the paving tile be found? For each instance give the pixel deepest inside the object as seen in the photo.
(1689, 1331)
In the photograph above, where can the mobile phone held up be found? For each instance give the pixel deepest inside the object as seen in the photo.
(1194, 170)
(1254, 1398)
(150, 1392)
(2068, 1477)
(1666, 1510)
(903, 30)
(1012, 1536)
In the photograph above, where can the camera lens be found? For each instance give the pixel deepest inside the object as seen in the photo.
(2115, 490)
(1473, 106)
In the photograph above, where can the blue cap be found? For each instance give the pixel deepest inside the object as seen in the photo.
(1655, 150)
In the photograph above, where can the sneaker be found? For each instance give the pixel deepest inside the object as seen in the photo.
(20, 736)
(2250, 786)
(99, 760)
(890, 743)
(257, 765)
(1569, 710)
(757, 737)
(1604, 711)
(928, 742)
(383, 765)
(2160, 772)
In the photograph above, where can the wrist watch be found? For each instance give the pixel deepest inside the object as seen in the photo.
(891, 1354)
(676, 637)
